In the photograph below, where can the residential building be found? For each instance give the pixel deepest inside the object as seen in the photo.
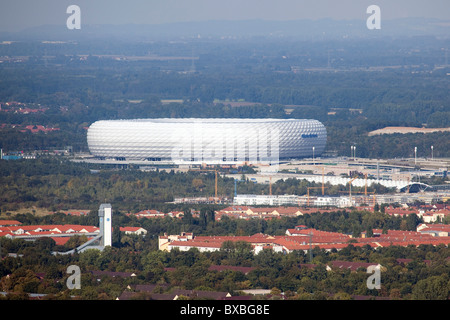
(134, 230)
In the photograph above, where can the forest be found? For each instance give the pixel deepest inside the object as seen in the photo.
(299, 275)
(56, 183)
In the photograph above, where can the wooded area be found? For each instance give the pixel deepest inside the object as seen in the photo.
(56, 183)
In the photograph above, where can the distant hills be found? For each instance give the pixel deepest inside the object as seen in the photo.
(322, 29)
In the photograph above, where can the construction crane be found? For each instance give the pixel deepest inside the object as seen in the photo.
(365, 189)
(350, 188)
(215, 187)
(365, 184)
(323, 191)
(366, 194)
(270, 185)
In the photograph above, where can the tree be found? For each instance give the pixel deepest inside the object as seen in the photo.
(432, 288)
(275, 291)
(45, 244)
(203, 218)
(210, 215)
(412, 220)
(187, 217)
(197, 183)
(376, 207)
(341, 296)
(76, 241)
(21, 280)
(116, 237)
(238, 253)
(267, 259)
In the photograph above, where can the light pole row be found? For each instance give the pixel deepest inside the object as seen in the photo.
(415, 154)
(353, 152)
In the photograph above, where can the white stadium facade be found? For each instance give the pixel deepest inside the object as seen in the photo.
(211, 141)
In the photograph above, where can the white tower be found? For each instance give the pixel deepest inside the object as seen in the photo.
(105, 217)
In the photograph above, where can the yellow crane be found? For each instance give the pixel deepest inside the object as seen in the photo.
(366, 192)
(215, 187)
(350, 188)
(365, 184)
(365, 189)
(322, 187)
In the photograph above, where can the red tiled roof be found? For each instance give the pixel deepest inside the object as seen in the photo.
(436, 227)
(287, 210)
(197, 244)
(131, 229)
(305, 238)
(10, 223)
(46, 228)
(263, 210)
(235, 208)
(60, 241)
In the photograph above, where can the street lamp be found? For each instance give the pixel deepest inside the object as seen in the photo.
(313, 156)
(353, 152)
(415, 155)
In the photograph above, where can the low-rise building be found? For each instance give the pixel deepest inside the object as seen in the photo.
(9, 223)
(437, 230)
(134, 230)
(305, 239)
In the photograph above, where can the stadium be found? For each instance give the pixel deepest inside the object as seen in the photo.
(210, 141)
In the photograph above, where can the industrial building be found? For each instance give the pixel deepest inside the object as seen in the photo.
(210, 141)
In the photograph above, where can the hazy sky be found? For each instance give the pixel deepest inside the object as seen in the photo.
(19, 14)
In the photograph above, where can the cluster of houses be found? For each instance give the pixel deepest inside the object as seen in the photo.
(304, 239)
(429, 213)
(59, 233)
(29, 128)
(20, 108)
(157, 214)
(238, 212)
(299, 238)
(38, 128)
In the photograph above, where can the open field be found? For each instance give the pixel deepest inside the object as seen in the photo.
(33, 210)
(391, 130)
(39, 212)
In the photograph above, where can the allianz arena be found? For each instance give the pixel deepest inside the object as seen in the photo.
(211, 141)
